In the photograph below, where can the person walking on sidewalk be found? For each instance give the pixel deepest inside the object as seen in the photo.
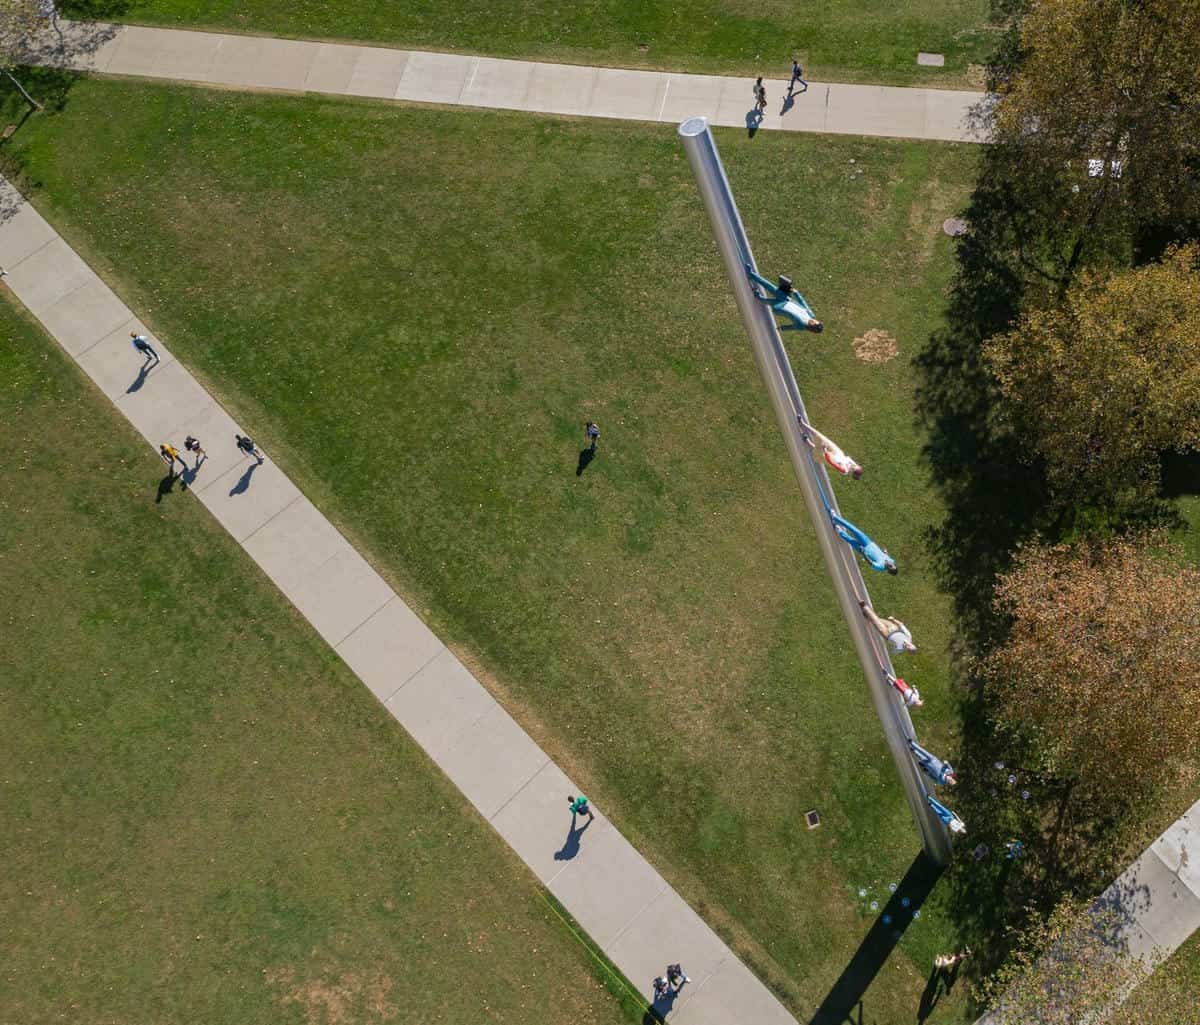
(797, 72)
(661, 988)
(248, 447)
(676, 976)
(170, 454)
(760, 96)
(193, 445)
(579, 806)
(141, 345)
(890, 629)
(592, 432)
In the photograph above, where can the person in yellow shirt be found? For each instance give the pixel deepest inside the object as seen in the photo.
(170, 454)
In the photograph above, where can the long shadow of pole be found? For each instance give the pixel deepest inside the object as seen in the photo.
(847, 992)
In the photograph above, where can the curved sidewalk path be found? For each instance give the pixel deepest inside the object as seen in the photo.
(610, 889)
(290, 65)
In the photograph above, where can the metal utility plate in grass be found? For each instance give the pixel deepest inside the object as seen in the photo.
(812, 818)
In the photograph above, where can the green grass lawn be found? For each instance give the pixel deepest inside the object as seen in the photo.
(415, 311)
(837, 40)
(206, 817)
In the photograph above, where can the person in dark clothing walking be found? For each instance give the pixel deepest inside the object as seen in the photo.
(193, 445)
(676, 976)
(760, 96)
(143, 346)
(248, 447)
(797, 72)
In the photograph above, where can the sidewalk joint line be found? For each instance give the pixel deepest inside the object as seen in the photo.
(517, 793)
(13, 266)
(470, 79)
(271, 519)
(666, 89)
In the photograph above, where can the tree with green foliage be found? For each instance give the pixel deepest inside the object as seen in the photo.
(1101, 385)
(1097, 128)
(1101, 663)
(20, 23)
(1070, 969)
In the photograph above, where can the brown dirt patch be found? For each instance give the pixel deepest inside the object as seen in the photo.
(876, 346)
(355, 997)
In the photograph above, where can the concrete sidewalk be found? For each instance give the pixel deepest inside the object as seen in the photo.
(1154, 905)
(298, 66)
(611, 890)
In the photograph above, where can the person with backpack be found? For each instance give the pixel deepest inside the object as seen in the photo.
(760, 96)
(785, 301)
(248, 447)
(676, 976)
(140, 344)
(579, 806)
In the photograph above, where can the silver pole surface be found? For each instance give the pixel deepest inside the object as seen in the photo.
(840, 559)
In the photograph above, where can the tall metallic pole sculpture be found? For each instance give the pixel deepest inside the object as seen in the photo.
(776, 371)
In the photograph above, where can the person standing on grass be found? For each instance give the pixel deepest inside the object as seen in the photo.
(868, 549)
(890, 629)
(579, 806)
(141, 345)
(797, 72)
(592, 432)
(247, 446)
(170, 454)
(912, 697)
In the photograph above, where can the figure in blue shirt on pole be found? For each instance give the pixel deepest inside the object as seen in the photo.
(868, 549)
(942, 773)
(946, 815)
(786, 302)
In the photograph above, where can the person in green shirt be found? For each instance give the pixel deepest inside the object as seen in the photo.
(579, 806)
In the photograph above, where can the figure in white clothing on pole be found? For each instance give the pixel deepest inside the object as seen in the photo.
(912, 697)
(834, 456)
(890, 629)
(946, 815)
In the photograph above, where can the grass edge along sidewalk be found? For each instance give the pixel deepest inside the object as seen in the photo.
(624, 904)
(409, 75)
(205, 817)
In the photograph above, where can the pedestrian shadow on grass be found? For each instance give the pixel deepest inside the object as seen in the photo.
(243, 484)
(880, 941)
(165, 486)
(585, 458)
(570, 845)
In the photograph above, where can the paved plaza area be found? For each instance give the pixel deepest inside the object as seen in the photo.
(291, 65)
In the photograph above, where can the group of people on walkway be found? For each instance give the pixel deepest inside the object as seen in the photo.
(760, 90)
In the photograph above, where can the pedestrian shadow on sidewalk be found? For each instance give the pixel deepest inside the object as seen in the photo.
(585, 458)
(570, 845)
(189, 475)
(941, 982)
(657, 1012)
(243, 484)
(141, 377)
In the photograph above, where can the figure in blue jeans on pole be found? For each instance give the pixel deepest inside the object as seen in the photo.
(868, 549)
(786, 302)
(942, 773)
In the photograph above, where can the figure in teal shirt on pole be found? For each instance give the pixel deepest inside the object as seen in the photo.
(786, 302)
(868, 549)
